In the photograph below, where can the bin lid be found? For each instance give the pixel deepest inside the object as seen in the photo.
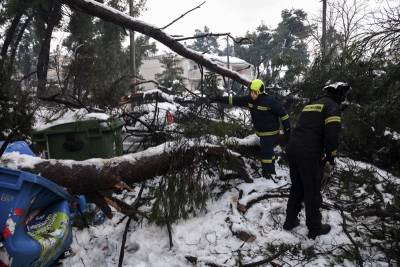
(18, 146)
(82, 125)
(14, 179)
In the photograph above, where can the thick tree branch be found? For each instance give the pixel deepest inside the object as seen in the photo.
(378, 213)
(82, 177)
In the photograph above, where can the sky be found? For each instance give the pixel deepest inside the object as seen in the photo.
(234, 16)
(221, 16)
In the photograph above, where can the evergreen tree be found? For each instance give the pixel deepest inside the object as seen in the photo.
(23, 23)
(259, 51)
(289, 48)
(81, 45)
(207, 44)
(144, 49)
(172, 75)
(110, 64)
(99, 69)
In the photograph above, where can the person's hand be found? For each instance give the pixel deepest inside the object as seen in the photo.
(283, 140)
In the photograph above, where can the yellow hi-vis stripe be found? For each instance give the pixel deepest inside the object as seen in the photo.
(267, 133)
(314, 107)
(230, 99)
(263, 108)
(285, 117)
(268, 160)
(332, 119)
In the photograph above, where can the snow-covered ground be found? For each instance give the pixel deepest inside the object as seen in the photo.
(208, 236)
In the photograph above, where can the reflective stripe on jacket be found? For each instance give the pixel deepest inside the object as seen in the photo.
(266, 112)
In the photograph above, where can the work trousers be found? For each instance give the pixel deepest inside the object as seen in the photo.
(267, 153)
(306, 174)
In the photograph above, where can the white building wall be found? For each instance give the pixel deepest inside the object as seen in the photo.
(152, 66)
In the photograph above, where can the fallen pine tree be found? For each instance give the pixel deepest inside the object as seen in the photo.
(92, 177)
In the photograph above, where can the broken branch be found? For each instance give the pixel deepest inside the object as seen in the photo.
(181, 16)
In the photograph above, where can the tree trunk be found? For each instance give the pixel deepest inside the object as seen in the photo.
(323, 39)
(43, 61)
(81, 177)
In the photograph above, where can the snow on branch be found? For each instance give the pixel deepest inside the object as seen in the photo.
(90, 176)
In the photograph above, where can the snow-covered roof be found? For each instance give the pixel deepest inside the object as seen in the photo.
(224, 60)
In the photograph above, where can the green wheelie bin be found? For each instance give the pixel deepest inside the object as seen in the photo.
(81, 139)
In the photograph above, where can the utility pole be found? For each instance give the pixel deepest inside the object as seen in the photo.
(227, 51)
(323, 38)
(132, 50)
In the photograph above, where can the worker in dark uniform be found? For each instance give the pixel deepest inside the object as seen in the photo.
(313, 142)
(266, 112)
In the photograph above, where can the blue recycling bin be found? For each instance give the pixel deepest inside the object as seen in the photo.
(18, 146)
(35, 219)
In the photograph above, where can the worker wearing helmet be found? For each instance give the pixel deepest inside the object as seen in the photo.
(266, 112)
(313, 142)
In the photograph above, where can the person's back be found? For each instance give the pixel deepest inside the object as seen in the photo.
(315, 132)
(265, 113)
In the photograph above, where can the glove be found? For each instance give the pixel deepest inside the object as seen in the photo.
(283, 139)
(328, 158)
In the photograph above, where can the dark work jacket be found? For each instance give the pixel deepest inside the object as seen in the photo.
(317, 130)
(266, 111)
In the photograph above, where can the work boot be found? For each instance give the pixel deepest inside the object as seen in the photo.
(323, 230)
(289, 225)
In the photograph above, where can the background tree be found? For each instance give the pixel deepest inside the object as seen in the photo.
(385, 29)
(144, 48)
(258, 52)
(81, 45)
(99, 70)
(372, 74)
(280, 52)
(27, 26)
(206, 44)
(289, 47)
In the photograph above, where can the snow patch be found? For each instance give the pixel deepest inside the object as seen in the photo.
(393, 134)
(67, 117)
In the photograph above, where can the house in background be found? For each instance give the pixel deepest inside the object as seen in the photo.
(152, 66)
